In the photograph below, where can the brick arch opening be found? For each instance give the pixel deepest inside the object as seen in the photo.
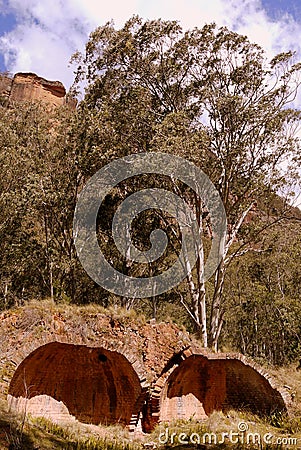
(94, 384)
(198, 386)
(248, 389)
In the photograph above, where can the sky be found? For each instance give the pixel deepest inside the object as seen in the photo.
(41, 35)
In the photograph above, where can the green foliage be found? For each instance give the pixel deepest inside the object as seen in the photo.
(208, 95)
(38, 192)
(262, 292)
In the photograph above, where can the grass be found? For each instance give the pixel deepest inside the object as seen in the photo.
(20, 433)
(79, 436)
(44, 434)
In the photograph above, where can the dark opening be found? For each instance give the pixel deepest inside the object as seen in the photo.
(102, 357)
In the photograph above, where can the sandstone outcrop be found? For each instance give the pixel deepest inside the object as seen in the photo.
(30, 87)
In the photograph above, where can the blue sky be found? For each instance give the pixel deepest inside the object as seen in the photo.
(276, 8)
(41, 35)
(7, 23)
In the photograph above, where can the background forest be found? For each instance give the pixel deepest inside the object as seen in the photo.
(208, 95)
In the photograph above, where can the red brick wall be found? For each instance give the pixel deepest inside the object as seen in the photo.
(96, 385)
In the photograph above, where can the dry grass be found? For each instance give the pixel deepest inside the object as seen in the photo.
(26, 433)
(290, 378)
(43, 434)
(46, 306)
(225, 431)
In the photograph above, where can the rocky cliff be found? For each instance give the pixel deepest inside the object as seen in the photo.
(31, 87)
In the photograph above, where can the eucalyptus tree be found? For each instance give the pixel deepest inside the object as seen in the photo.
(211, 96)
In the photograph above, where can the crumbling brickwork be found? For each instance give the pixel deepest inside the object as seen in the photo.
(100, 369)
(200, 385)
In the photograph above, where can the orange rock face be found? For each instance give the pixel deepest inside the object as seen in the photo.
(5, 86)
(31, 87)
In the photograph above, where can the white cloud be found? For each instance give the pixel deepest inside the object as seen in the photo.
(249, 18)
(99, 12)
(44, 37)
(48, 32)
(37, 51)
